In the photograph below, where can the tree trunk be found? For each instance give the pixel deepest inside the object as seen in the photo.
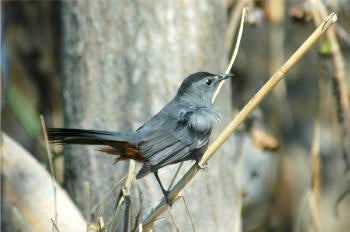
(122, 62)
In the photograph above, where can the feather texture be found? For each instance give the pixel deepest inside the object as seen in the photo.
(179, 132)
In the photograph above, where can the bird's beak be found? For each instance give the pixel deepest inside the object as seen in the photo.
(225, 76)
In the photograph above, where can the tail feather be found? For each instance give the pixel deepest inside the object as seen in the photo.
(144, 171)
(116, 143)
(92, 137)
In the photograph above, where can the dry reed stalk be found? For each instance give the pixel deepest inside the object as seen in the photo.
(173, 219)
(124, 199)
(319, 11)
(242, 115)
(235, 52)
(52, 171)
(189, 214)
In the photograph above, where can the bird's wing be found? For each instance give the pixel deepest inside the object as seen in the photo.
(161, 147)
(166, 145)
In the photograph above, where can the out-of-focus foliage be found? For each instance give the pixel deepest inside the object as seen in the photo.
(31, 33)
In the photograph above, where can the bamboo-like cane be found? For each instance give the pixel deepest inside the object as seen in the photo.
(232, 126)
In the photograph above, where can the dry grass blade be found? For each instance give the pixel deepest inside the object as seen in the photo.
(189, 214)
(242, 115)
(124, 199)
(103, 203)
(173, 219)
(113, 223)
(54, 225)
(52, 171)
(176, 173)
(235, 52)
(127, 213)
(101, 223)
(233, 21)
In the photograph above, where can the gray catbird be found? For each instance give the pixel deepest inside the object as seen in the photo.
(179, 132)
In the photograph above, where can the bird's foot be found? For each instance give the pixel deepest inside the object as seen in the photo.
(203, 166)
(167, 199)
(165, 192)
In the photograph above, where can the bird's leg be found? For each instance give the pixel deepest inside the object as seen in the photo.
(165, 192)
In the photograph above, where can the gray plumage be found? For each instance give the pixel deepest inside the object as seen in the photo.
(179, 132)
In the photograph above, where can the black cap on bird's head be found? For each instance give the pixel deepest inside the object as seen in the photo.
(201, 84)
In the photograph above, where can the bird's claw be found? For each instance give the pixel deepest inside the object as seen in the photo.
(203, 166)
(166, 196)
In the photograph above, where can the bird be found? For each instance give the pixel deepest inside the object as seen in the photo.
(180, 131)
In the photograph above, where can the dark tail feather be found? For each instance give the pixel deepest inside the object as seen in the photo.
(118, 143)
(91, 137)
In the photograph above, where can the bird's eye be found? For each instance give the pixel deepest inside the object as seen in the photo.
(208, 81)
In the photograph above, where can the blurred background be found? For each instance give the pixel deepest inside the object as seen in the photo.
(112, 64)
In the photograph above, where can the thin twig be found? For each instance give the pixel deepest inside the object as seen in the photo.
(131, 176)
(232, 126)
(173, 219)
(176, 173)
(54, 225)
(189, 214)
(52, 170)
(235, 52)
(125, 194)
(101, 224)
(100, 207)
(233, 22)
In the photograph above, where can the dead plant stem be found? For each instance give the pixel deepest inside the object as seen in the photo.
(242, 115)
(52, 170)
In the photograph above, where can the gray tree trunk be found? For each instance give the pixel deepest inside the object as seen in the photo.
(122, 62)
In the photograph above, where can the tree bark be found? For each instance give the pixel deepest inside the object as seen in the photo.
(122, 62)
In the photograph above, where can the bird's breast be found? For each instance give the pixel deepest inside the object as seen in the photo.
(203, 118)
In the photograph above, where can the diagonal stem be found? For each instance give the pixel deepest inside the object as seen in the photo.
(232, 126)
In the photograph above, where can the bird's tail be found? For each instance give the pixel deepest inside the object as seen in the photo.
(79, 136)
(117, 143)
